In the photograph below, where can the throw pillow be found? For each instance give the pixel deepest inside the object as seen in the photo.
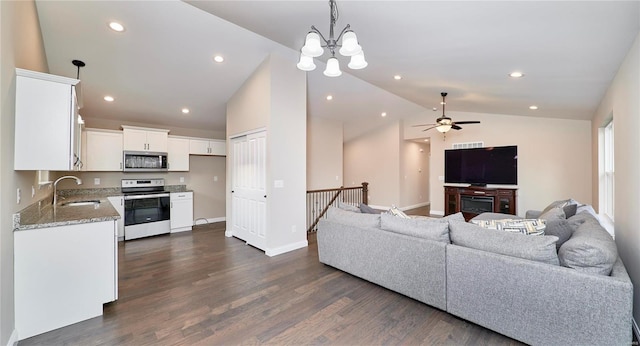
(524, 226)
(368, 210)
(557, 224)
(590, 250)
(431, 229)
(541, 249)
(570, 210)
(557, 204)
(397, 212)
(353, 219)
(553, 214)
(348, 207)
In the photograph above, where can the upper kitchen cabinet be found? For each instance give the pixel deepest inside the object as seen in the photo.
(178, 154)
(102, 150)
(47, 123)
(216, 147)
(145, 139)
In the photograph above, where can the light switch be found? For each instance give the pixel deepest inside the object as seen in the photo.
(215, 178)
(278, 183)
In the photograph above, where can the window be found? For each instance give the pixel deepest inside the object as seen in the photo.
(607, 172)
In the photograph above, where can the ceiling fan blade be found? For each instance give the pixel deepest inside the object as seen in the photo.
(466, 122)
(427, 129)
(423, 125)
(456, 127)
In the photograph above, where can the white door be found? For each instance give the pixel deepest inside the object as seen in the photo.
(248, 188)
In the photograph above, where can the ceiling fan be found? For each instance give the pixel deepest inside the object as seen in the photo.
(444, 123)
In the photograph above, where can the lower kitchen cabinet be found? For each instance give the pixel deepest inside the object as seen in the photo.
(118, 205)
(181, 211)
(63, 275)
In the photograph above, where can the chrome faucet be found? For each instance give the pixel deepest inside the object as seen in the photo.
(55, 186)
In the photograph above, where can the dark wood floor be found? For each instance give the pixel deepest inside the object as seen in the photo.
(201, 288)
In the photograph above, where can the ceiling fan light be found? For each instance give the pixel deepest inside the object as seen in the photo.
(306, 63)
(312, 46)
(350, 46)
(443, 128)
(357, 61)
(333, 68)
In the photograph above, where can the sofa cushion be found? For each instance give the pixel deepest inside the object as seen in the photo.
(496, 216)
(590, 250)
(353, 219)
(453, 217)
(432, 229)
(580, 218)
(541, 249)
(368, 210)
(524, 226)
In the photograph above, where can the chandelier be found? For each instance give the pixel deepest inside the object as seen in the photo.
(313, 47)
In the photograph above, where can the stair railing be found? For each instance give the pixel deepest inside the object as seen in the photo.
(319, 201)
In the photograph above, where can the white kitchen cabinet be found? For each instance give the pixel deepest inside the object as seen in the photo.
(63, 275)
(145, 139)
(178, 154)
(102, 150)
(199, 146)
(47, 126)
(118, 205)
(181, 211)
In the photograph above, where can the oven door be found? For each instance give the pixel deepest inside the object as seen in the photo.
(140, 209)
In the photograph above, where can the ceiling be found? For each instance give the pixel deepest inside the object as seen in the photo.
(568, 51)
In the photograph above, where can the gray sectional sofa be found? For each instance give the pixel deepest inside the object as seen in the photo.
(514, 284)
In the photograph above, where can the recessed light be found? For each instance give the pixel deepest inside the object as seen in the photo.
(434, 109)
(115, 26)
(218, 58)
(384, 114)
(397, 77)
(108, 98)
(534, 107)
(185, 110)
(329, 97)
(426, 139)
(516, 74)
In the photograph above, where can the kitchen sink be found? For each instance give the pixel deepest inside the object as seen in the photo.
(80, 203)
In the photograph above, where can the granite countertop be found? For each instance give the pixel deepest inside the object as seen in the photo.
(42, 214)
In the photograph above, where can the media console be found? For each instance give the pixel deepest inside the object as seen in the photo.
(474, 200)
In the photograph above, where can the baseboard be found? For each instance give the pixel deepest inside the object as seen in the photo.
(204, 220)
(13, 339)
(437, 212)
(283, 249)
(419, 205)
(636, 330)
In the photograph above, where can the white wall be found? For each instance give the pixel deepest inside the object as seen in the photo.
(22, 47)
(274, 97)
(375, 158)
(554, 156)
(623, 102)
(324, 153)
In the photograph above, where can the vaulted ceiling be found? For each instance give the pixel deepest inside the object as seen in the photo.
(162, 62)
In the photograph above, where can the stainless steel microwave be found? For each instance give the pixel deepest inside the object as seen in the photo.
(145, 161)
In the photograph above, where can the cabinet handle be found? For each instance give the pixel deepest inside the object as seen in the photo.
(171, 204)
(479, 192)
(121, 165)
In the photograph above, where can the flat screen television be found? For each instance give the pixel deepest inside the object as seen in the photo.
(482, 166)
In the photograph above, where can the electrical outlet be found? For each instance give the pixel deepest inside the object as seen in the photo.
(96, 181)
(33, 191)
(182, 179)
(215, 178)
(293, 229)
(441, 177)
(18, 195)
